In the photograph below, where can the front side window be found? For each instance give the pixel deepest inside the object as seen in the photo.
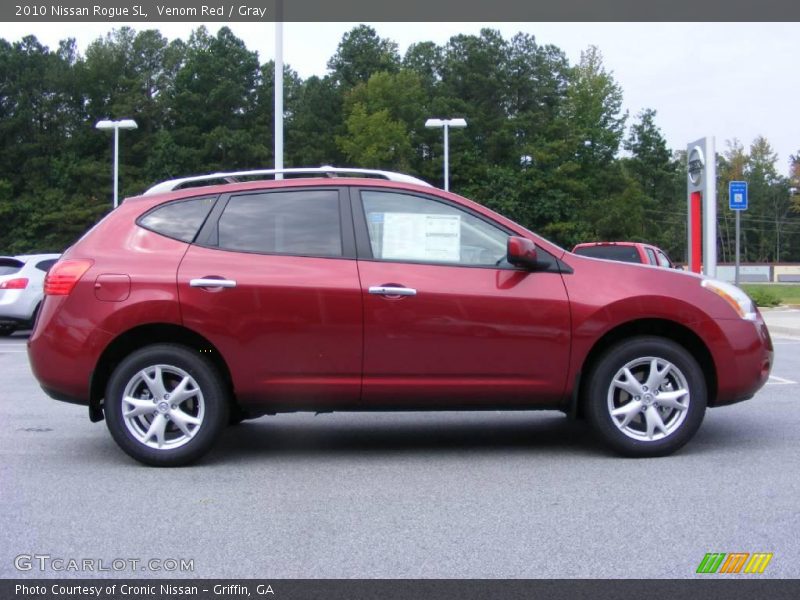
(410, 228)
(303, 222)
(651, 256)
(663, 260)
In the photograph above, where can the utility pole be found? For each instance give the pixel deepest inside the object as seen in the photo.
(279, 88)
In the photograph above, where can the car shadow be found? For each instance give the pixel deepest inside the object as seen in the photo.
(378, 435)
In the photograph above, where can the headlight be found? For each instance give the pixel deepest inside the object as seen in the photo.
(739, 301)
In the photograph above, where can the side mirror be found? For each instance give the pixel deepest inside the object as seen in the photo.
(521, 252)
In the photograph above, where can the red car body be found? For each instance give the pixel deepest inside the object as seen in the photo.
(305, 333)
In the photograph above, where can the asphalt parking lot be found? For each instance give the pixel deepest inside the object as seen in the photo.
(468, 495)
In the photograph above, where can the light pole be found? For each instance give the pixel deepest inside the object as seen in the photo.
(278, 89)
(116, 126)
(446, 124)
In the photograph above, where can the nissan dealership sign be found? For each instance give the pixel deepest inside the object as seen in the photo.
(697, 164)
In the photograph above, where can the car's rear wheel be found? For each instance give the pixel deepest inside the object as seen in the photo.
(646, 397)
(165, 405)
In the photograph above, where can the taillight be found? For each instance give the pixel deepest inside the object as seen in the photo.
(63, 276)
(14, 284)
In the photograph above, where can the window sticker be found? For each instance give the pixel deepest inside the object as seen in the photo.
(422, 237)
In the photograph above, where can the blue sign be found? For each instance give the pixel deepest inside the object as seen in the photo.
(737, 195)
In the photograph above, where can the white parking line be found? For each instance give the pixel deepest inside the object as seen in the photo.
(775, 380)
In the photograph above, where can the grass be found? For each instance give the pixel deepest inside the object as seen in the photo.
(773, 294)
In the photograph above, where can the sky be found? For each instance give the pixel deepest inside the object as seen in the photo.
(727, 80)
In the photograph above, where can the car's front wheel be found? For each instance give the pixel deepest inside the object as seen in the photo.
(165, 405)
(646, 396)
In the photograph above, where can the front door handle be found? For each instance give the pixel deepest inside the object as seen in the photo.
(204, 282)
(390, 290)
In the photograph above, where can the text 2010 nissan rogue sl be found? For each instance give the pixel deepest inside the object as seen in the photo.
(190, 307)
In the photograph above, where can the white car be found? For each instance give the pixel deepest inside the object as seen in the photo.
(21, 289)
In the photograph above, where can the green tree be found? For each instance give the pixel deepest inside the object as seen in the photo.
(654, 173)
(594, 108)
(214, 96)
(593, 125)
(375, 140)
(360, 54)
(316, 122)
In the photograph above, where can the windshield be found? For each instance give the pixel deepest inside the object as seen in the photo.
(9, 266)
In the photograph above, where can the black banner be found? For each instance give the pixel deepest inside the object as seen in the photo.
(116, 11)
(740, 588)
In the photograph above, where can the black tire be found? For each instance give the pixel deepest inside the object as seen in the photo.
(235, 415)
(205, 402)
(7, 330)
(640, 436)
(34, 316)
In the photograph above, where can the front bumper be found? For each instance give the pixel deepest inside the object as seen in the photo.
(744, 357)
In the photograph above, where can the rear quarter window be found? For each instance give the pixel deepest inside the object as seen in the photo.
(44, 265)
(180, 220)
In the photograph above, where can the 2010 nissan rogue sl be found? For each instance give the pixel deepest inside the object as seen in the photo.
(215, 298)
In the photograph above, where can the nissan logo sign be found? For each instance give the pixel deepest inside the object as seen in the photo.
(696, 164)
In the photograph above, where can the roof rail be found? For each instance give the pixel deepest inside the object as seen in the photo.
(235, 176)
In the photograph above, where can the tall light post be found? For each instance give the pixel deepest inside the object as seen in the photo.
(116, 126)
(446, 124)
(278, 88)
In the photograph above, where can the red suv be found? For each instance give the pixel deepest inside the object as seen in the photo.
(190, 307)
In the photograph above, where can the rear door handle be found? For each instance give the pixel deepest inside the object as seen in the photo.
(203, 282)
(388, 290)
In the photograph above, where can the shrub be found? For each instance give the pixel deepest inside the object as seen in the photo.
(762, 296)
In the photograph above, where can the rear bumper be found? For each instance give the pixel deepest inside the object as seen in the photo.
(63, 354)
(17, 306)
(57, 395)
(13, 321)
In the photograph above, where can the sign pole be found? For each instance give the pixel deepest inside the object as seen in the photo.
(736, 276)
(737, 202)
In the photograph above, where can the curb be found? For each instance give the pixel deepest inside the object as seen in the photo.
(784, 331)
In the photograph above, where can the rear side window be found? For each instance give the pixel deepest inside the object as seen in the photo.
(9, 266)
(178, 220)
(620, 253)
(302, 222)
